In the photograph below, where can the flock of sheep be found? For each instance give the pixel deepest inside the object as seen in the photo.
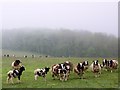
(62, 70)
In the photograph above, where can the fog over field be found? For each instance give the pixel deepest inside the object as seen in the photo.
(91, 16)
(61, 28)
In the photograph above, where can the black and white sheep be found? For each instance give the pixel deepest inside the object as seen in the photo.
(41, 72)
(15, 74)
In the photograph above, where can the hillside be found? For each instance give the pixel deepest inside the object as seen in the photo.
(61, 42)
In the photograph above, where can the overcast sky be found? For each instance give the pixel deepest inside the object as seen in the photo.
(92, 16)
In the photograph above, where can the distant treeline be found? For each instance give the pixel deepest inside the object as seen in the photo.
(61, 42)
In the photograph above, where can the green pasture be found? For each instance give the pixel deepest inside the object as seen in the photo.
(106, 79)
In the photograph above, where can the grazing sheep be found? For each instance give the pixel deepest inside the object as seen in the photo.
(54, 71)
(85, 63)
(15, 74)
(95, 68)
(113, 64)
(8, 55)
(79, 69)
(25, 56)
(60, 71)
(14, 55)
(32, 56)
(69, 67)
(41, 72)
(4, 55)
(105, 64)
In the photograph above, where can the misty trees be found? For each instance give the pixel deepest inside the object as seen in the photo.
(61, 42)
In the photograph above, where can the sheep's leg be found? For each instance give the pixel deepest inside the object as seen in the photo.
(67, 76)
(64, 76)
(19, 79)
(111, 71)
(11, 79)
(95, 75)
(8, 78)
(36, 76)
(53, 76)
(106, 69)
(61, 78)
(57, 76)
(83, 76)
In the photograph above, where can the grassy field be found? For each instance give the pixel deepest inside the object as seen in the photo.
(106, 79)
